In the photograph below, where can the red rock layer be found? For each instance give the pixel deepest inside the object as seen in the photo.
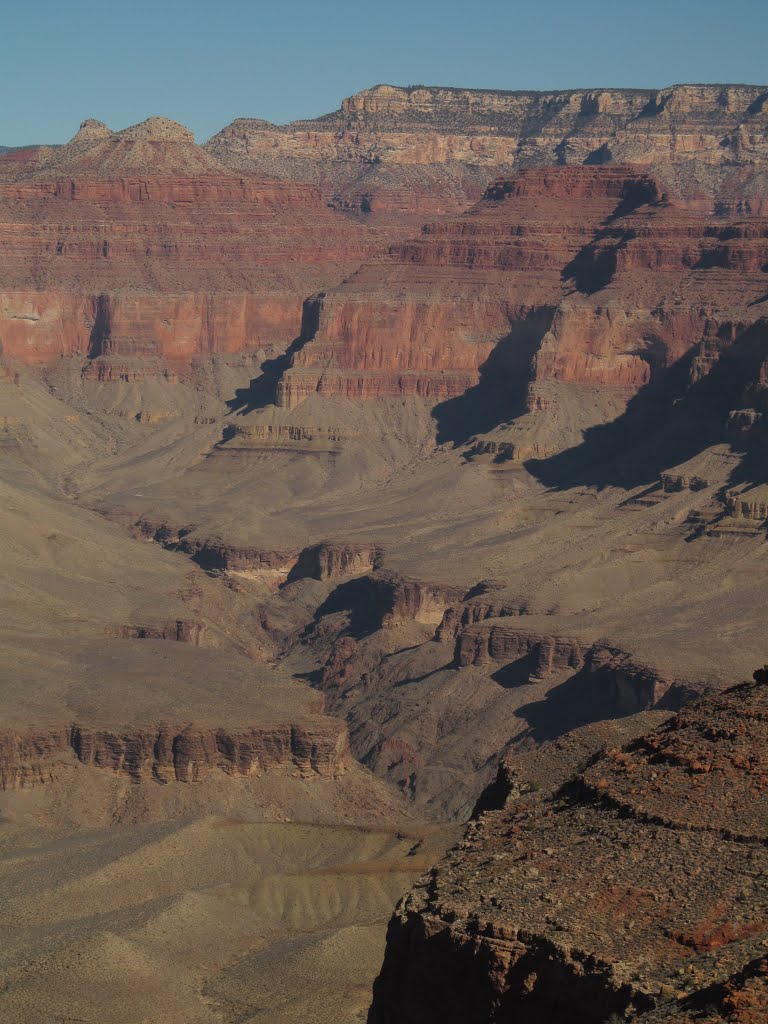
(423, 320)
(562, 276)
(654, 283)
(169, 268)
(139, 245)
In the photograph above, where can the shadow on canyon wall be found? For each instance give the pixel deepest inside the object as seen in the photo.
(500, 394)
(262, 390)
(359, 600)
(672, 420)
(585, 698)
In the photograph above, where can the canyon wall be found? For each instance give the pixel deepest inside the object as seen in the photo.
(174, 753)
(143, 254)
(559, 297)
(140, 245)
(424, 319)
(468, 132)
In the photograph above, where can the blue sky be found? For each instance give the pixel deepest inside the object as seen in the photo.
(207, 63)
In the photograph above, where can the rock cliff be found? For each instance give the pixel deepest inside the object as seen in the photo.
(553, 302)
(141, 245)
(133, 269)
(705, 131)
(182, 753)
(138, 254)
(636, 890)
(479, 291)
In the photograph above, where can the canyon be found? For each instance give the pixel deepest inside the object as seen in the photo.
(377, 486)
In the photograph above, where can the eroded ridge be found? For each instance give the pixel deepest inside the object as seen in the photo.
(637, 889)
(183, 753)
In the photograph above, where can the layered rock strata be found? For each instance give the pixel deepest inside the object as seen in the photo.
(181, 753)
(326, 560)
(549, 306)
(329, 560)
(213, 553)
(382, 133)
(215, 258)
(495, 641)
(143, 254)
(183, 631)
(469, 295)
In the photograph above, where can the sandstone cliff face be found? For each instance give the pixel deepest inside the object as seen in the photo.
(142, 251)
(214, 553)
(425, 319)
(326, 561)
(492, 640)
(269, 437)
(637, 890)
(379, 600)
(174, 753)
(716, 126)
(558, 298)
(495, 641)
(136, 263)
(407, 600)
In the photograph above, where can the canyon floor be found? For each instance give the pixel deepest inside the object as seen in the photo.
(248, 878)
(204, 919)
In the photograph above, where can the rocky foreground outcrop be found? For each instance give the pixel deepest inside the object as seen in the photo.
(635, 891)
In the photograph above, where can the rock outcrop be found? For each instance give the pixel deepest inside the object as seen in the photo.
(635, 890)
(704, 130)
(183, 631)
(328, 560)
(493, 640)
(140, 244)
(182, 753)
(213, 553)
(476, 293)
